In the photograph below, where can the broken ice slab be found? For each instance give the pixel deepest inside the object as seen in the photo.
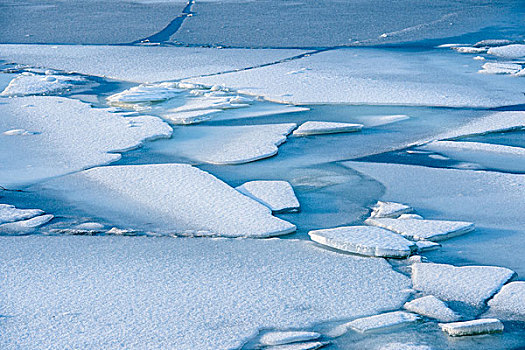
(389, 209)
(514, 51)
(469, 49)
(365, 240)
(417, 229)
(287, 337)
(425, 246)
(383, 321)
(432, 307)
(509, 303)
(319, 128)
(31, 84)
(279, 196)
(500, 68)
(25, 226)
(299, 346)
(9, 213)
(474, 327)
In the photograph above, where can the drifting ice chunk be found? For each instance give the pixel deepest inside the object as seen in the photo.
(509, 303)
(276, 195)
(410, 216)
(17, 132)
(417, 229)
(318, 128)
(425, 246)
(468, 49)
(389, 209)
(469, 284)
(500, 68)
(25, 225)
(383, 321)
(492, 43)
(281, 338)
(31, 84)
(139, 96)
(432, 307)
(481, 326)
(299, 346)
(8, 213)
(516, 51)
(365, 240)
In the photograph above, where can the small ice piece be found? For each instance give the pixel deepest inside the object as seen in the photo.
(432, 307)
(509, 303)
(365, 240)
(31, 84)
(17, 132)
(287, 337)
(389, 209)
(500, 68)
(469, 284)
(479, 58)
(90, 226)
(299, 346)
(372, 121)
(318, 128)
(468, 49)
(383, 321)
(410, 216)
(24, 226)
(279, 196)
(425, 246)
(417, 229)
(515, 51)
(140, 95)
(492, 43)
(9, 213)
(474, 327)
(450, 45)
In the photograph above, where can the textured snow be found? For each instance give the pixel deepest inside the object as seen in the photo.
(287, 337)
(181, 293)
(382, 321)
(474, 327)
(173, 199)
(417, 229)
(509, 303)
(277, 195)
(432, 307)
(24, 226)
(364, 240)
(318, 128)
(469, 284)
(30, 84)
(389, 209)
(515, 51)
(9, 213)
(500, 68)
(70, 136)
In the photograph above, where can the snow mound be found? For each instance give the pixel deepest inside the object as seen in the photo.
(287, 337)
(500, 68)
(31, 84)
(279, 196)
(514, 51)
(25, 226)
(425, 246)
(9, 213)
(469, 284)
(383, 321)
(417, 229)
(319, 128)
(509, 302)
(364, 240)
(389, 209)
(474, 327)
(432, 307)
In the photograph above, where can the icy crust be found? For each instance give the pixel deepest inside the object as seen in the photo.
(474, 327)
(509, 303)
(383, 321)
(389, 209)
(319, 128)
(175, 199)
(432, 307)
(417, 229)
(514, 51)
(287, 337)
(9, 213)
(279, 196)
(31, 84)
(469, 284)
(24, 226)
(365, 240)
(68, 136)
(187, 286)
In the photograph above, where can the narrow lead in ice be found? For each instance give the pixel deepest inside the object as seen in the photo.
(9, 213)
(509, 303)
(287, 337)
(469, 284)
(31, 84)
(474, 327)
(365, 240)
(383, 321)
(24, 226)
(432, 307)
(279, 196)
(319, 128)
(389, 209)
(417, 229)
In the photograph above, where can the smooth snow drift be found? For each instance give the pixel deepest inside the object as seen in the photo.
(418, 229)
(276, 195)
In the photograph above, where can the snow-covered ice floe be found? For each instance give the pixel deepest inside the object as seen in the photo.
(410, 216)
(174, 199)
(194, 293)
(474, 327)
(318, 128)
(425, 246)
(432, 307)
(25, 226)
(404, 346)
(509, 303)
(389, 209)
(383, 321)
(500, 68)
(287, 337)
(31, 84)
(514, 51)
(469, 49)
(314, 345)
(279, 196)
(469, 284)
(9, 213)
(417, 229)
(365, 240)
(69, 136)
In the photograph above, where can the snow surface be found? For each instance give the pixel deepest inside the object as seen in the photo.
(417, 229)
(277, 195)
(364, 240)
(389, 209)
(474, 327)
(30, 84)
(287, 337)
(383, 321)
(25, 226)
(469, 284)
(319, 128)
(514, 51)
(9, 213)
(69, 136)
(169, 293)
(509, 303)
(432, 307)
(175, 199)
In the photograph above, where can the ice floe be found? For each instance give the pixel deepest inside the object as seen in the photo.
(383, 321)
(469, 49)
(17, 132)
(24, 226)
(69, 136)
(432, 307)
(287, 337)
(389, 209)
(279, 196)
(492, 43)
(474, 327)
(319, 128)
(139, 97)
(9, 213)
(514, 51)
(365, 240)
(418, 229)
(469, 284)
(410, 216)
(32, 84)
(404, 346)
(425, 246)
(508, 303)
(500, 68)
(299, 346)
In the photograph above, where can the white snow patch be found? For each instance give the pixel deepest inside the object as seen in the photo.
(509, 303)
(515, 51)
(9, 213)
(417, 229)
(319, 128)
(432, 307)
(24, 226)
(474, 327)
(287, 337)
(383, 321)
(31, 84)
(277, 195)
(389, 209)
